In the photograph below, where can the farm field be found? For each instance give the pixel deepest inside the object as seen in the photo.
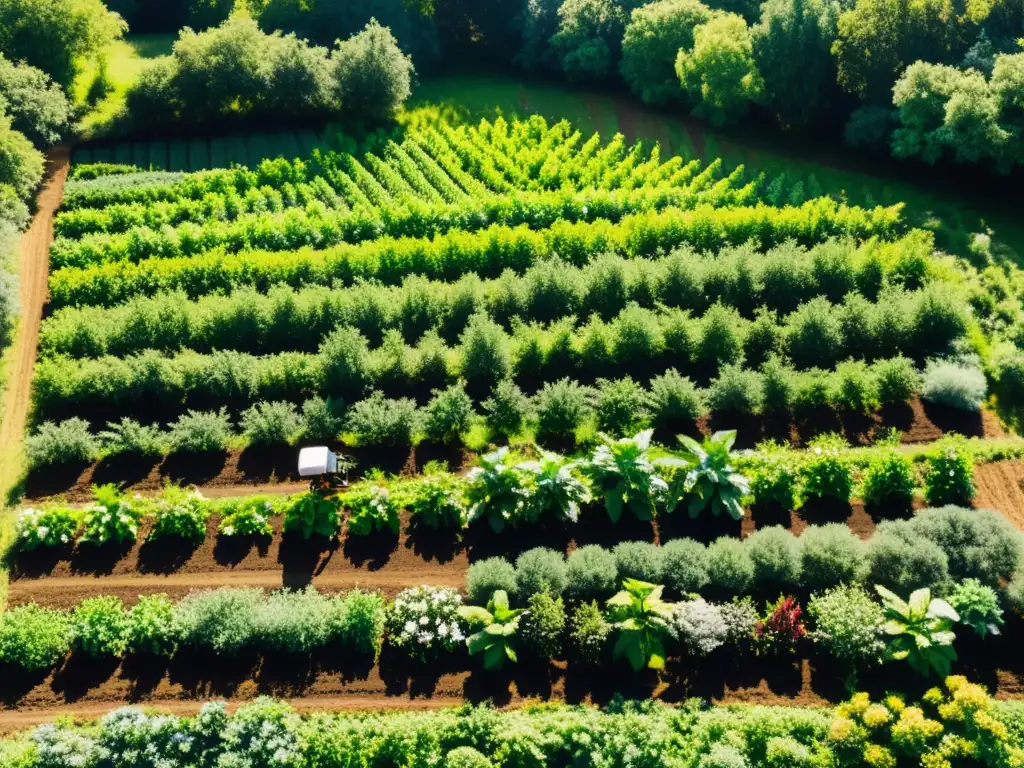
(450, 304)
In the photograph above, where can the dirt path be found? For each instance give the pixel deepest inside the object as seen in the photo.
(33, 268)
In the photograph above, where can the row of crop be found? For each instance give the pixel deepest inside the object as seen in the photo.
(779, 280)
(956, 720)
(319, 225)
(644, 342)
(487, 252)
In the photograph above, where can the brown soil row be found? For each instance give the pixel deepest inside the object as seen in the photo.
(259, 469)
(1000, 486)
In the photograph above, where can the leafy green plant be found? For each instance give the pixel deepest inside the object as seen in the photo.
(436, 501)
(889, 482)
(589, 631)
(710, 478)
(950, 475)
(642, 620)
(543, 625)
(624, 474)
(497, 638)
(151, 626)
(978, 606)
(131, 437)
(448, 414)
(221, 620)
(827, 476)
(34, 638)
(65, 443)
(553, 488)
(774, 477)
(100, 626)
(52, 527)
(247, 517)
(920, 630)
(425, 619)
(371, 509)
(182, 514)
(506, 409)
(497, 491)
(311, 514)
(848, 624)
(271, 423)
(111, 519)
(201, 432)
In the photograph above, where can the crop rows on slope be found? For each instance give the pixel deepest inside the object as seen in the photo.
(487, 252)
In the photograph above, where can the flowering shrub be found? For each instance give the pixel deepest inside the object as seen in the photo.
(950, 475)
(264, 732)
(848, 624)
(372, 509)
(827, 476)
(425, 619)
(774, 480)
(182, 514)
(247, 517)
(46, 527)
(437, 502)
(781, 628)
(111, 519)
(700, 626)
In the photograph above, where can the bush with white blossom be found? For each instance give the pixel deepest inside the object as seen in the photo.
(425, 619)
(52, 527)
(249, 517)
(262, 734)
(112, 518)
(700, 626)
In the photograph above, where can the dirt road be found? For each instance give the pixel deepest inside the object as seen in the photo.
(33, 268)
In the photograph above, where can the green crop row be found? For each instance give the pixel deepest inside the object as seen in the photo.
(779, 280)
(487, 252)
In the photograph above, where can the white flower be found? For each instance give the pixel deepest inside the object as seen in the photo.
(817, 450)
(63, 538)
(229, 530)
(952, 473)
(424, 620)
(442, 629)
(42, 531)
(410, 627)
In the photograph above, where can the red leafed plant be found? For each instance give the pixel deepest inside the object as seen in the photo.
(781, 628)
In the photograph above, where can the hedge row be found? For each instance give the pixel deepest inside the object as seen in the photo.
(652, 735)
(487, 252)
(779, 280)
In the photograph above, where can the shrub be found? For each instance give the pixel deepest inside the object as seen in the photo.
(506, 409)
(358, 622)
(740, 617)
(624, 474)
(674, 402)
(830, 555)
(778, 384)
(248, 516)
(448, 414)
(774, 478)
(978, 606)
(979, 544)
(38, 107)
(621, 406)
(639, 560)
(100, 626)
(781, 628)
(953, 384)
(310, 514)
(372, 509)
(591, 573)
(111, 519)
(827, 476)
(723, 756)
(380, 421)
(52, 527)
(903, 563)
(700, 626)
(131, 437)
(950, 475)
(560, 408)
(65, 443)
(729, 565)
(442, 630)
(181, 514)
(543, 625)
(709, 476)
(685, 566)
(854, 387)
(655, 34)
(775, 553)
(589, 632)
(321, 419)
(848, 624)
(484, 352)
(540, 570)
(373, 77)
(898, 380)
(34, 638)
(466, 757)
(436, 502)
(271, 423)
(201, 432)
(485, 577)
(889, 482)
(736, 391)
(151, 626)
(497, 491)
(293, 622)
(21, 166)
(222, 621)
(345, 358)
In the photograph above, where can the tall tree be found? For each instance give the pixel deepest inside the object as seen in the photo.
(655, 34)
(589, 38)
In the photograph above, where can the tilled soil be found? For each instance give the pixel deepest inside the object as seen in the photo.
(1000, 486)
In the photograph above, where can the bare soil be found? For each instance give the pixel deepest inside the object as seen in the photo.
(33, 268)
(1000, 486)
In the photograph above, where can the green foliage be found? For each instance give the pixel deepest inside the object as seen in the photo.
(497, 491)
(624, 474)
(639, 560)
(34, 638)
(436, 502)
(589, 631)
(222, 621)
(245, 517)
(979, 544)
(588, 40)
(953, 384)
(560, 408)
(774, 478)
(65, 443)
(378, 420)
(553, 488)
(497, 639)
(372, 509)
(775, 553)
(978, 606)
(889, 482)
(293, 622)
(719, 72)
(310, 514)
(674, 402)
(620, 406)
(848, 624)
(591, 573)
(151, 626)
(685, 566)
(919, 631)
(949, 478)
(112, 519)
(506, 410)
(543, 625)
(128, 436)
(830, 555)
(423, 620)
(729, 565)
(736, 392)
(827, 476)
(448, 414)
(100, 626)
(640, 617)
(372, 75)
(485, 577)
(38, 107)
(466, 757)
(900, 561)
(53, 527)
(485, 355)
(200, 432)
(181, 514)
(321, 419)
(709, 477)
(271, 423)
(897, 379)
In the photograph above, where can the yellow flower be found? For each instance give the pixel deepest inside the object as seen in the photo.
(856, 705)
(914, 731)
(954, 682)
(989, 724)
(933, 696)
(843, 729)
(876, 715)
(934, 760)
(953, 746)
(895, 703)
(877, 756)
